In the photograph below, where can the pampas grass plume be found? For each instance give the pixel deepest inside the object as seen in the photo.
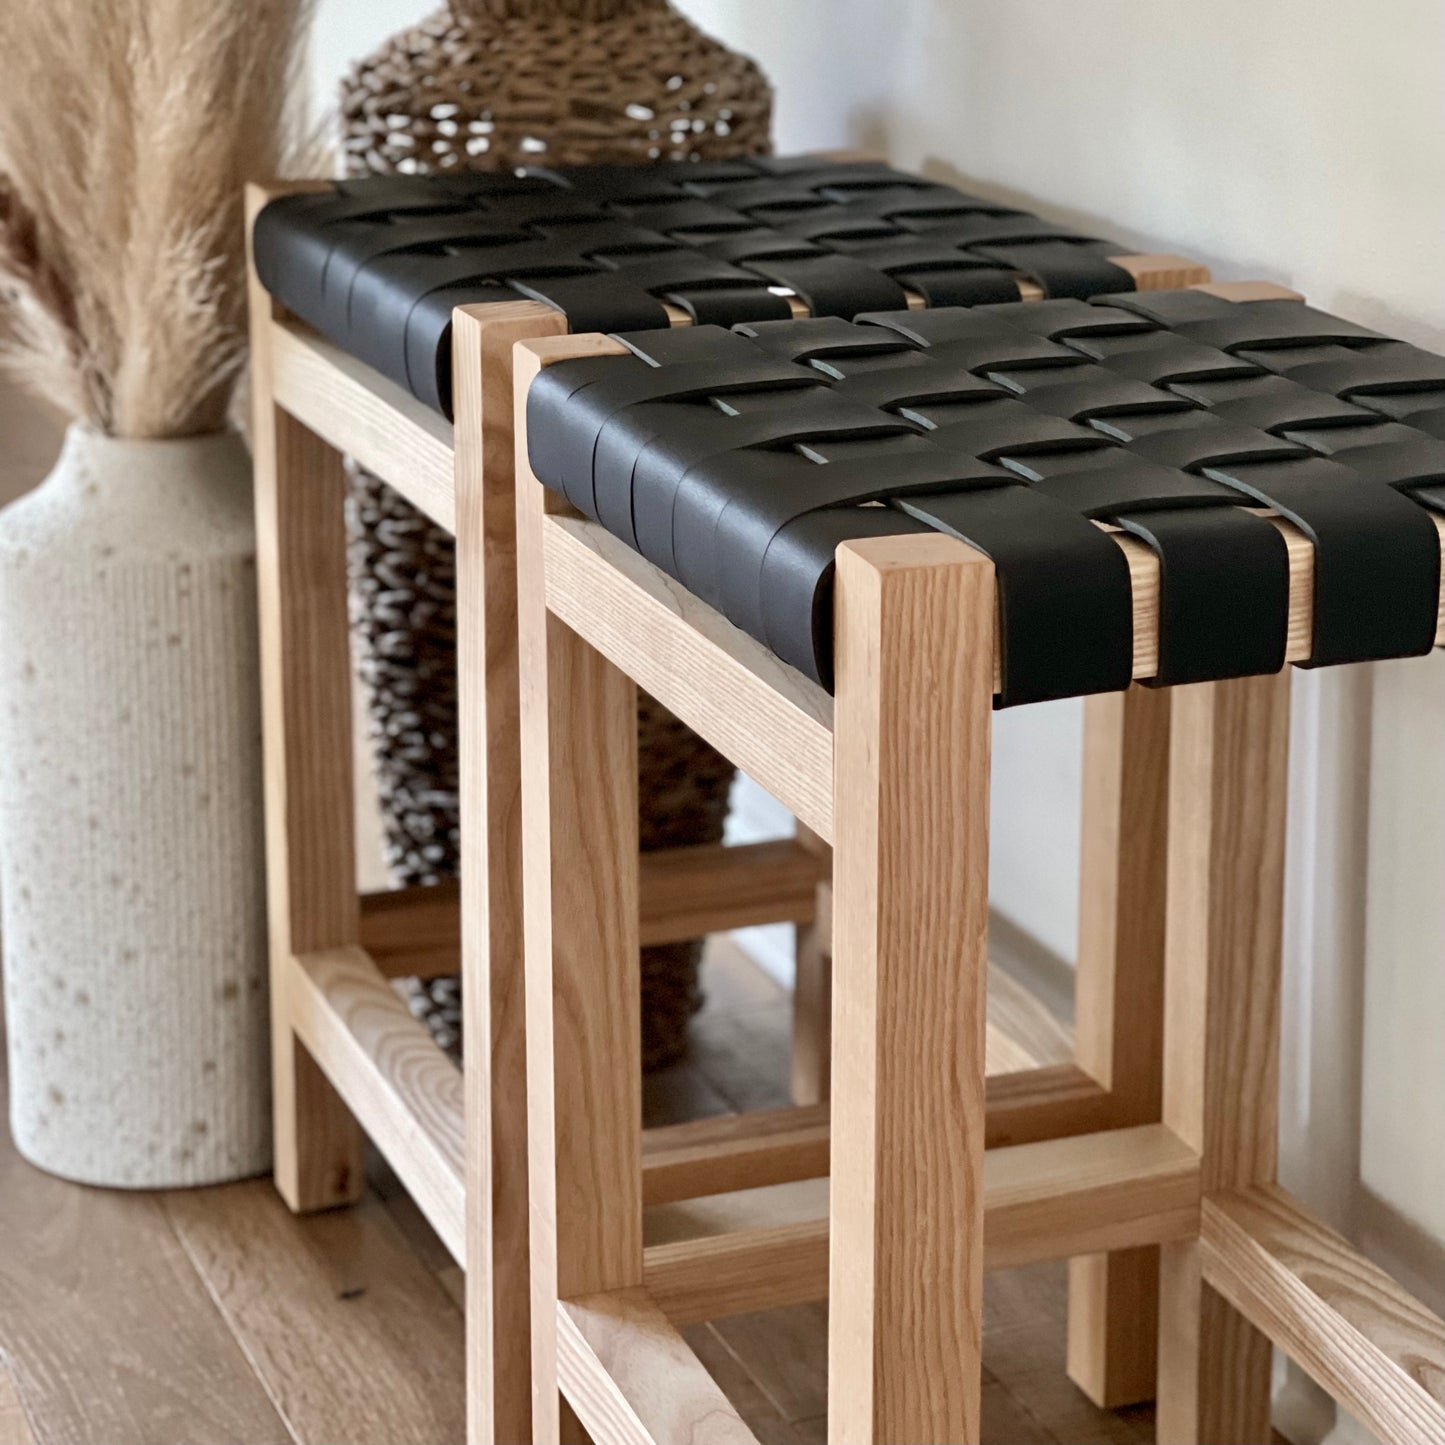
(127, 131)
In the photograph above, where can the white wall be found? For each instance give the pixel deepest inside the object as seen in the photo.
(1301, 141)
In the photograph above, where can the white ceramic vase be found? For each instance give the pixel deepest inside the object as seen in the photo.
(132, 899)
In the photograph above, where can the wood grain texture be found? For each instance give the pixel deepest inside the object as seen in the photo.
(387, 1067)
(1042, 1201)
(489, 757)
(1354, 1331)
(1162, 272)
(771, 1365)
(414, 932)
(764, 716)
(580, 878)
(1118, 1024)
(811, 1061)
(1023, 1033)
(709, 888)
(713, 675)
(14, 1422)
(306, 722)
(734, 1151)
(1119, 1019)
(910, 939)
(349, 1332)
(1045, 1103)
(727, 687)
(360, 412)
(729, 1152)
(633, 1380)
(1063, 1197)
(687, 893)
(766, 1267)
(1228, 758)
(105, 1331)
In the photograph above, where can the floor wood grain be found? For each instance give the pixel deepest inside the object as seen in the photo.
(14, 1422)
(351, 1334)
(214, 1315)
(107, 1332)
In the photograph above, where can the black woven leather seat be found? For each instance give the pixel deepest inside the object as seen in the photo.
(378, 264)
(738, 460)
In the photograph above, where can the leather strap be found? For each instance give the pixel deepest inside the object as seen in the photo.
(738, 461)
(370, 262)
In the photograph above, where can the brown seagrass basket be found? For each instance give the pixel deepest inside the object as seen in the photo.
(489, 85)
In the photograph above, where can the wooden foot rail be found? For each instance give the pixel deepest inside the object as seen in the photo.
(1364, 1340)
(387, 1068)
(629, 1376)
(735, 1151)
(383, 1061)
(1048, 1200)
(686, 893)
(780, 1146)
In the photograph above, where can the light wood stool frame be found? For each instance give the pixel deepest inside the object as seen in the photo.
(929, 1180)
(344, 1047)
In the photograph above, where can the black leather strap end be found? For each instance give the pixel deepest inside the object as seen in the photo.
(1376, 563)
(799, 573)
(1066, 621)
(1223, 593)
(1062, 269)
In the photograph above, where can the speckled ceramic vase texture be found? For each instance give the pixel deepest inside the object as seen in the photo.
(132, 900)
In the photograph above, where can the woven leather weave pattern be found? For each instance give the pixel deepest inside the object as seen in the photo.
(737, 461)
(378, 264)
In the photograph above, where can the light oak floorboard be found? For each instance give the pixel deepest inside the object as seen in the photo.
(14, 1422)
(105, 1331)
(352, 1336)
(313, 1344)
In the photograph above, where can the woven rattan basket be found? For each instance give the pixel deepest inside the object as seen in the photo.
(488, 85)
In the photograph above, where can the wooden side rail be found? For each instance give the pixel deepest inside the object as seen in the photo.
(1364, 1340)
(731, 689)
(390, 1072)
(734, 1151)
(363, 415)
(387, 1068)
(1047, 1103)
(414, 932)
(630, 1377)
(780, 1146)
(685, 893)
(1048, 1200)
(710, 888)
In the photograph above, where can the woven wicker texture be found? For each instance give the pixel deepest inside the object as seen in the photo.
(737, 461)
(489, 85)
(498, 85)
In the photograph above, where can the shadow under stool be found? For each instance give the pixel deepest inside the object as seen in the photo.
(833, 549)
(384, 313)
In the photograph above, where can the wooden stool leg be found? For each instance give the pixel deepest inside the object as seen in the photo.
(1229, 754)
(911, 783)
(499, 1385)
(306, 717)
(1119, 994)
(813, 992)
(580, 881)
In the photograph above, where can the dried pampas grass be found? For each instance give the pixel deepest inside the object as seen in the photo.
(127, 129)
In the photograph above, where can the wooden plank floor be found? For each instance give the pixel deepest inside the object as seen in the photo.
(213, 1315)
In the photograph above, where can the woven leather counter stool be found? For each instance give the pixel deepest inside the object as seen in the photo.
(355, 350)
(834, 549)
